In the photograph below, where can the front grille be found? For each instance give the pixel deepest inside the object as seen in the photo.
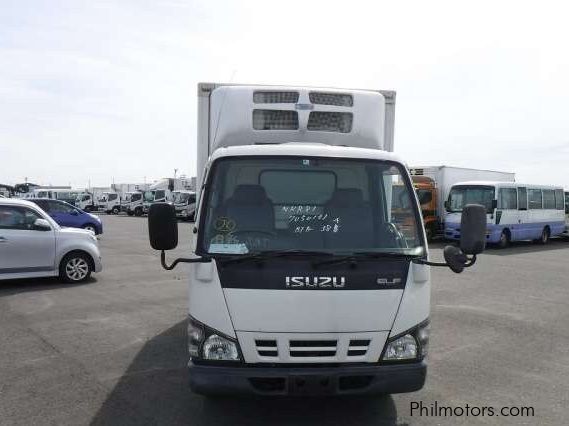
(267, 348)
(338, 99)
(312, 348)
(358, 347)
(270, 119)
(325, 121)
(274, 97)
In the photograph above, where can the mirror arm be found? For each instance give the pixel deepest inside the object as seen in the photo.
(471, 261)
(428, 263)
(181, 260)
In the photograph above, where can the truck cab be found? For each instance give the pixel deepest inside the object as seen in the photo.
(131, 203)
(426, 190)
(109, 202)
(185, 204)
(85, 201)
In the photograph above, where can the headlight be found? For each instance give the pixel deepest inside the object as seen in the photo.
(402, 348)
(207, 344)
(409, 346)
(220, 349)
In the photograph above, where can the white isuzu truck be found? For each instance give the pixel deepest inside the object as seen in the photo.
(310, 273)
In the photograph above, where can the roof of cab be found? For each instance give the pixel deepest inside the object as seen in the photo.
(303, 149)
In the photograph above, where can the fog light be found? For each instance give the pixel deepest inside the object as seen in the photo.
(220, 349)
(402, 348)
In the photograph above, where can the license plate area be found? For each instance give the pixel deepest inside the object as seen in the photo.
(311, 385)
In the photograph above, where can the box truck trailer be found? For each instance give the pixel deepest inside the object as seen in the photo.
(433, 184)
(308, 275)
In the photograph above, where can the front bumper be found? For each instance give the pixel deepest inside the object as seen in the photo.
(336, 380)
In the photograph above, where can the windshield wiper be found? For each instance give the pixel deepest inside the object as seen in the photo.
(271, 254)
(366, 255)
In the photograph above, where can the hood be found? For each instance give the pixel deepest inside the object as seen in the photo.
(284, 295)
(76, 232)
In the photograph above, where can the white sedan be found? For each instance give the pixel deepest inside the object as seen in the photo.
(33, 245)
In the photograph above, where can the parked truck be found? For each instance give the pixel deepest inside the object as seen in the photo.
(163, 191)
(308, 276)
(433, 184)
(131, 203)
(110, 202)
(185, 204)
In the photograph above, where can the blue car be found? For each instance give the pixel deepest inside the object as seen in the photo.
(67, 215)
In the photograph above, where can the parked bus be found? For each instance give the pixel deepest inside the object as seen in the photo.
(515, 211)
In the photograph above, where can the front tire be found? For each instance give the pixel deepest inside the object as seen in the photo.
(75, 267)
(504, 239)
(138, 211)
(116, 210)
(545, 236)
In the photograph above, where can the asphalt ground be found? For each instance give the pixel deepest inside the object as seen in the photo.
(112, 351)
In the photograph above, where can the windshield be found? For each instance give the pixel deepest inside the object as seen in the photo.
(181, 197)
(149, 196)
(460, 196)
(311, 204)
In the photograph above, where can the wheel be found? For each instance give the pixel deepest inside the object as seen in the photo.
(545, 234)
(90, 227)
(138, 211)
(116, 210)
(75, 267)
(129, 213)
(504, 239)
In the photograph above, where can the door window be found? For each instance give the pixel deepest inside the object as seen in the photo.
(19, 218)
(508, 199)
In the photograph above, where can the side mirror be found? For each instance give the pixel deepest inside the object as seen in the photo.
(447, 206)
(42, 225)
(494, 204)
(472, 239)
(473, 229)
(162, 226)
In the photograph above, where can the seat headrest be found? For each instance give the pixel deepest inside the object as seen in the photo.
(346, 197)
(249, 194)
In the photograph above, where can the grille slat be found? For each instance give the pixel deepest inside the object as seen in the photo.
(311, 343)
(308, 354)
(314, 348)
(356, 352)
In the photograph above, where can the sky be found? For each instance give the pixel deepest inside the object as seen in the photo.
(100, 91)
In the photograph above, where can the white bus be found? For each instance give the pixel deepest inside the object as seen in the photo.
(515, 211)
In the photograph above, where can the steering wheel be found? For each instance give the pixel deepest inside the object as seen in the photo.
(399, 237)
